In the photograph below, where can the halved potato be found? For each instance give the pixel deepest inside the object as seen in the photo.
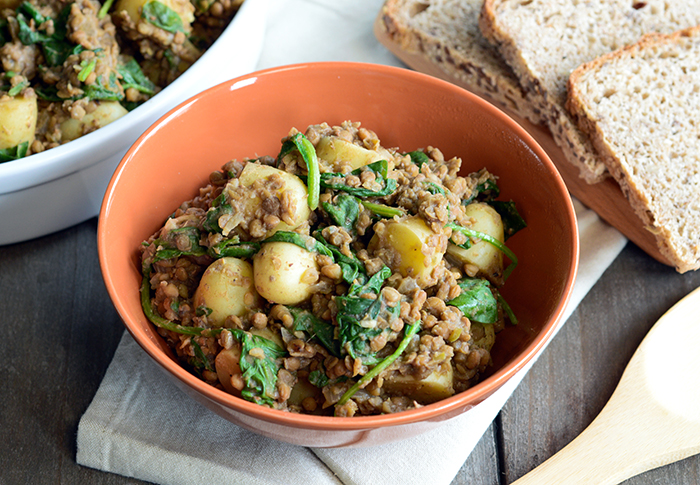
(289, 188)
(485, 256)
(226, 288)
(337, 151)
(410, 247)
(106, 112)
(227, 365)
(436, 386)
(18, 117)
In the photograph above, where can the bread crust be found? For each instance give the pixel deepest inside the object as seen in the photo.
(664, 191)
(446, 33)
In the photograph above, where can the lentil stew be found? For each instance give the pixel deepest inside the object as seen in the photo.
(70, 67)
(339, 277)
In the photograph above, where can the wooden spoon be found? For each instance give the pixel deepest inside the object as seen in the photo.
(652, 418)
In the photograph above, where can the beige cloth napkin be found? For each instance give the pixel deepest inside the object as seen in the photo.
(140, 425)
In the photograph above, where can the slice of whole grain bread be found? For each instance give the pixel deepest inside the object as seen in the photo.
(446, 33)
(545, 40)
(641, 107)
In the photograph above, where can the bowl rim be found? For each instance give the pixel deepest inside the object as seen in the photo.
(432, 412)
(90, 149)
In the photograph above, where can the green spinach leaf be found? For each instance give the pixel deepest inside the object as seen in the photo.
(487, 190)
(168, 251)
(55, 47)
(512, 220)
(380, 168)
(352, 268)
(133, 77)
(419, 158)
(199, 362)
(86, 68)
(99, 91)
(318, 378)
(314, 327)
(259, 371)
(476, 301)
(162, 16)
(383, 210)
(219, 207)
(304, 242)
(344, 211)
(14, 153)
(356, 317)
(233, 248)
(300, 143)
(409, 332)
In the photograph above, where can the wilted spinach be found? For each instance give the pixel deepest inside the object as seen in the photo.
(419, 158)
(168, 251)
(233, 248)
(55, 47)
(353, 310)
(307, 151)
(476, 301)
(409, 332)
(314, 327)
(259, 372)
(380, 170)
(512, 220)
(162, 16)
(14, 153)
(219, 207)
(343, 211)
(133, 77)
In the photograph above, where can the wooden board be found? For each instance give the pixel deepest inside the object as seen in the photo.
(605, 198)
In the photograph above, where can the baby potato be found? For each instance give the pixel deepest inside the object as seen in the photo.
(292, 189)
(410, 247)
(226, 288)
(336, 150)
(484, 335)
(227, 365)
(435, 386)
(18, 117)
(106, 112)
(486, 257)
(269, 334)
(285, 273)
(304, 392)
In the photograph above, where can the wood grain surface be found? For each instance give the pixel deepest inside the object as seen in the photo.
(605, 198)
(61, 331)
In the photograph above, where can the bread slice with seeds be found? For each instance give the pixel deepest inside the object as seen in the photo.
(543, 41)
(641, 107)
(446, 34)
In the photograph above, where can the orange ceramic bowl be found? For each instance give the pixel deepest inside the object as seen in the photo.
(248, 116)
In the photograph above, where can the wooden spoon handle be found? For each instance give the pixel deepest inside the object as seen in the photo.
(632, 434)
(651, 419)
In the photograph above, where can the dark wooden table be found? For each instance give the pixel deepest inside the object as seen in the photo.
(59, 332)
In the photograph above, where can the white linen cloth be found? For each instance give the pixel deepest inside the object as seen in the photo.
(140, 425)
